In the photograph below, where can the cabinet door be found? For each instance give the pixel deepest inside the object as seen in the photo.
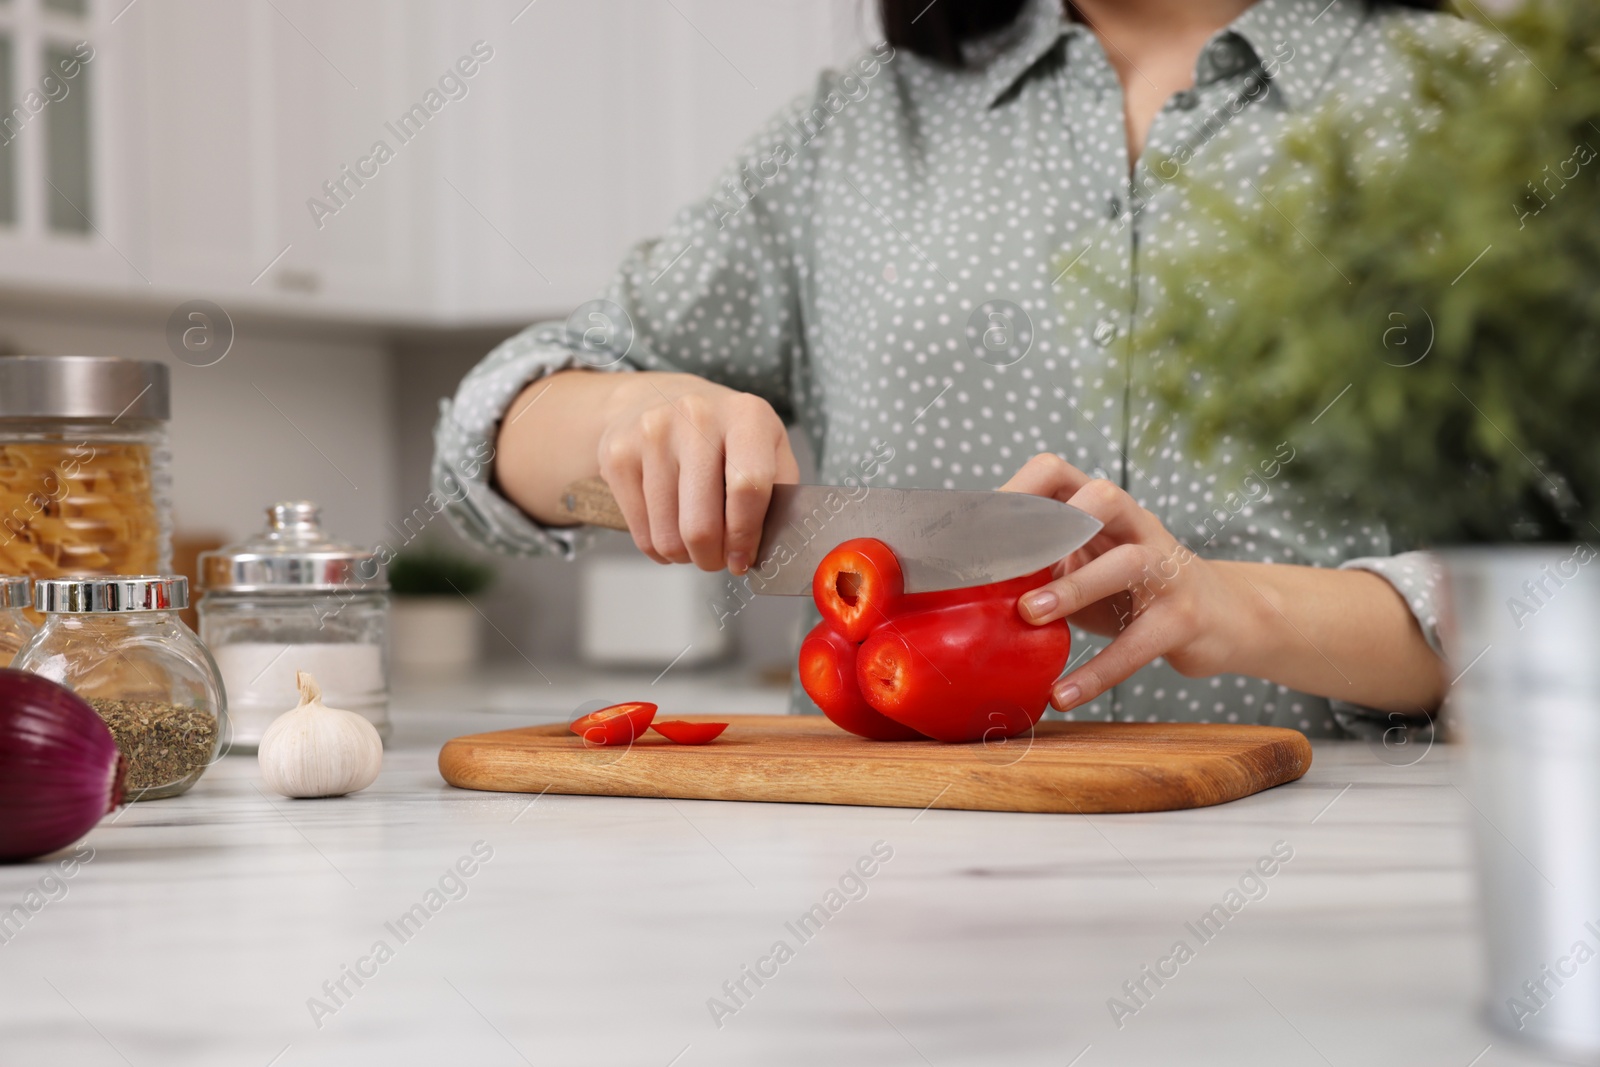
(254, 113)
(343, 182)
(198, 68)
(595, 122)
(524, 200)
(63, 217)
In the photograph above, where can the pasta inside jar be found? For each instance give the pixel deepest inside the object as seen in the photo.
(82, 508)
(84, 467)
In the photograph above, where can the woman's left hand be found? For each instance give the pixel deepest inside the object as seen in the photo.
(1133, 581)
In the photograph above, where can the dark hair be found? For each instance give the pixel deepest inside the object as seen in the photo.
(937, 30)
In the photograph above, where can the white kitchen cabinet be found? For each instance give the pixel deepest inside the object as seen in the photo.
(198, 169)
(602, 120)
(69, 231)
(583, 125)
(341, 75)
(251, 107)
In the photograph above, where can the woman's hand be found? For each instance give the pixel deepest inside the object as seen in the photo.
(1133, 581)
(1343, 634)
(692, 465)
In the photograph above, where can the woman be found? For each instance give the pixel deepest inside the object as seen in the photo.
(934, 264)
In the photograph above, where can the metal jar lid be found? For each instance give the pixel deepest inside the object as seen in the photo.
(294, 555)
(143, 592)
(83, 387)
(14, 592)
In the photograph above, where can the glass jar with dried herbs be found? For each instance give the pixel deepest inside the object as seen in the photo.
(119, 644)
(16, 629)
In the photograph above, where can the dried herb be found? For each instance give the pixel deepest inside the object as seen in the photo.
(164, 743)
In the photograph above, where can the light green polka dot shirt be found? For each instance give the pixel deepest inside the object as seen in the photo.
(946, 267)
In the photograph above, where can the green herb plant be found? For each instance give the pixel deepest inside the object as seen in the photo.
(432, 570)
(1420, 320)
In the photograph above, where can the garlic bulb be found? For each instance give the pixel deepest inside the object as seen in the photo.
(318, 751)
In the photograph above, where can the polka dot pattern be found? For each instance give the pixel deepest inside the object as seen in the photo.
(836, 268)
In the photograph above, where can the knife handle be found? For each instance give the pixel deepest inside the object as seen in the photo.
(589, 500)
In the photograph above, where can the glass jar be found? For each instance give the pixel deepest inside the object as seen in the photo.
(16, 629)
(84, 479)
(119, 644)
(292, 599)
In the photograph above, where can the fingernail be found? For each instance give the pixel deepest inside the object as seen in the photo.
(1039, 604)
(738, 562)
(1067, 696)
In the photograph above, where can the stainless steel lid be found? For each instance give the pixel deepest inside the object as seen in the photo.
(83, 387)
(294, 555)
(14, 592)
(144, 592)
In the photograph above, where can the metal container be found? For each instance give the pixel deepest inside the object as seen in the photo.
(293, 599)
(84, 479)
(1522, 634)
(119, 644)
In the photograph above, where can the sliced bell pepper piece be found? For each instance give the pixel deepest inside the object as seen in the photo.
(857, 586)
(619, 724)
(683, 732)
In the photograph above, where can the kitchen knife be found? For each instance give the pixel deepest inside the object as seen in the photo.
(944, 538)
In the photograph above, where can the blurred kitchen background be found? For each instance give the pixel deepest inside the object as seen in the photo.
(177, 164)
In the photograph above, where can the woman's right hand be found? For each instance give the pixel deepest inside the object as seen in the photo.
(692, 465)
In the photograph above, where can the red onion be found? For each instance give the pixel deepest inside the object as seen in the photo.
(60, 770)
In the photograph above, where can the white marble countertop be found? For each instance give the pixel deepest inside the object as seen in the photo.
(598, 929)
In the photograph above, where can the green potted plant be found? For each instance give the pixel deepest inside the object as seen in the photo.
(435, 627)
(1418, 311)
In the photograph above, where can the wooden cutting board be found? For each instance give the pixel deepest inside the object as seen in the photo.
(1085, 767)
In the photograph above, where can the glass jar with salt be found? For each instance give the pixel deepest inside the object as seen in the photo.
(293, 599)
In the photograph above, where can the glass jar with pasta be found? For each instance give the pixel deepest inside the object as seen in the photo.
(84, 481)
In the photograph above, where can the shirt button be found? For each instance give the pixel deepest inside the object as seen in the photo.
(1105, 331)
(1185, 99)
(1228, 57)
(1114, 206)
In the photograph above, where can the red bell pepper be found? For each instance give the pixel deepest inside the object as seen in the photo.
(828, 674)
(956, 665)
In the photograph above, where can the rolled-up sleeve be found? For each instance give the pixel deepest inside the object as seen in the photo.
(717, 296)
(1417, 577)
(464, 443)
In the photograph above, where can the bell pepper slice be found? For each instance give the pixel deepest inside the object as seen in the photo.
(857, 586)
(683, 732)
(619, 724)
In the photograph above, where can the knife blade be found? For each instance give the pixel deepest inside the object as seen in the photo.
(944, 538)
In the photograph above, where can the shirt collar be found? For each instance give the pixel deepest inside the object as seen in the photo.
(1014, 51)
(1297, 41)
